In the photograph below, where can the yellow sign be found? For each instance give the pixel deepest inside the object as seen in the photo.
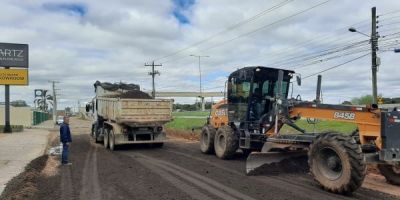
(13, 77)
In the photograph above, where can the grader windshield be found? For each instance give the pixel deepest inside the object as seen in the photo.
(250, 90)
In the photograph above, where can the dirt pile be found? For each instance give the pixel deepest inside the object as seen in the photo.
(24, 186)
(134, 94)
(183, 134)
(290, 166)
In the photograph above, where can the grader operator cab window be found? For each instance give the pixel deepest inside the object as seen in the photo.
(239, 93)
(250, 91)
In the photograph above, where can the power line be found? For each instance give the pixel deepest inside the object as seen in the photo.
(265, 26)
(262, 13)
(336, 66)
(257, 29)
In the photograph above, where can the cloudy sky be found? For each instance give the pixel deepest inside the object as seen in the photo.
(79, 42)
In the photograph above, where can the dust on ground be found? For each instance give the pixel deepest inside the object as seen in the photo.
(183, 134)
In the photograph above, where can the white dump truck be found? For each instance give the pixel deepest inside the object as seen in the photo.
(122, 114)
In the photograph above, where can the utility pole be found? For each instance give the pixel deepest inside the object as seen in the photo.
(53, 84)
(7, 125)
(201, 91)
(153, 74)
(374, 48)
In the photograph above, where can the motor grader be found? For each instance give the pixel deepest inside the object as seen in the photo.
(257, 107)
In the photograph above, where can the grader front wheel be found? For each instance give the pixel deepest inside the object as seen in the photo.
(391, 173)
(336, 163)
(226, 142)
(207, 139)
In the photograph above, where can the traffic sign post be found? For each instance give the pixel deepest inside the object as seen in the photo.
(12, 55)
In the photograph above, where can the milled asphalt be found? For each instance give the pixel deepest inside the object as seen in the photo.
(18, 149)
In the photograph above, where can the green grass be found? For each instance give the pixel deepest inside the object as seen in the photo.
(322, 126)
(191, 113)
(197, 123)
(186, 124)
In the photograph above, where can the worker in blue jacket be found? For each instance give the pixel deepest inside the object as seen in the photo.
(65, 138)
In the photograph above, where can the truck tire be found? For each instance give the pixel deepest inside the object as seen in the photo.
(111, 140)
(207, 139)
(226, 142)
(157, 145)
(246, 152)
(106, 138)
(94, 134)
(391, 173)
(336, 163)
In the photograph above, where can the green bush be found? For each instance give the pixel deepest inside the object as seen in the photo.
(15, 128)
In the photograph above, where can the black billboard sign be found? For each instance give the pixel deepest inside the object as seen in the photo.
(14, 55)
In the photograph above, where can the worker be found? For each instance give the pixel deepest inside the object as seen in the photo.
(65, 138)
(255, 104)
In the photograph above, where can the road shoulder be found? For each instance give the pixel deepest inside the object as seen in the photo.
(17, 150)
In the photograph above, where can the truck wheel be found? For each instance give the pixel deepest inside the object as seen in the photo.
(207, 139)
(336, 163)
(391, 173)
(226, 142)
(157, 145)
(106, 138)
(246, 152)
(111, 140)
(94, 134)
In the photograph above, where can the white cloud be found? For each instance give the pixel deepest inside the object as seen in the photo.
(113, 40)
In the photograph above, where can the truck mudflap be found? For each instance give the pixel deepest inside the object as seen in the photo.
(390, 129)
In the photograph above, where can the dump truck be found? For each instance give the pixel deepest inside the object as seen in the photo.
(122, 114)
(257, 107)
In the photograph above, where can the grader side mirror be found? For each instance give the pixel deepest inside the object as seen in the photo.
(298, 80)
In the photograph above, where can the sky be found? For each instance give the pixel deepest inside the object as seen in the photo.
(79, 42)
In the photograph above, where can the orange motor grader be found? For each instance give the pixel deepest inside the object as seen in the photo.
(257, 107)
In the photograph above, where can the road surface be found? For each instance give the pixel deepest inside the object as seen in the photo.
(176, 171)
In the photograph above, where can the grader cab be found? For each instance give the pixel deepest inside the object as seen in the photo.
(256, 109)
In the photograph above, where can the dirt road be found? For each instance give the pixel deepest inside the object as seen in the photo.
(176, 171)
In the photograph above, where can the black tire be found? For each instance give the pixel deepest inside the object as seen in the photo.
(226, 142)
(391, 173)
(157, 145)
(246, 152)
(336, 163)
(207, 139)
(94, 133)
(106, 138)
(111, 140)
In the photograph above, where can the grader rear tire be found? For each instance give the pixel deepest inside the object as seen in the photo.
(207, 139)
(226, 142)
(336, 163)
(391, 173)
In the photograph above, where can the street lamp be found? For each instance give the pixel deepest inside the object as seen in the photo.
(354, 30)
(374, 58)
(201, 92)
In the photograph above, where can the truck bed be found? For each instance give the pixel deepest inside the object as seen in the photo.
(135, 111)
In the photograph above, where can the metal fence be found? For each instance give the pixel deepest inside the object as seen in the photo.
(39, 117)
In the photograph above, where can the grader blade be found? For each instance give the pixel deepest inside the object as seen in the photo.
(259, 161)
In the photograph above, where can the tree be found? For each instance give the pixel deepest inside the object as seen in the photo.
(363, 100)
(43, 102)
(19, 103)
